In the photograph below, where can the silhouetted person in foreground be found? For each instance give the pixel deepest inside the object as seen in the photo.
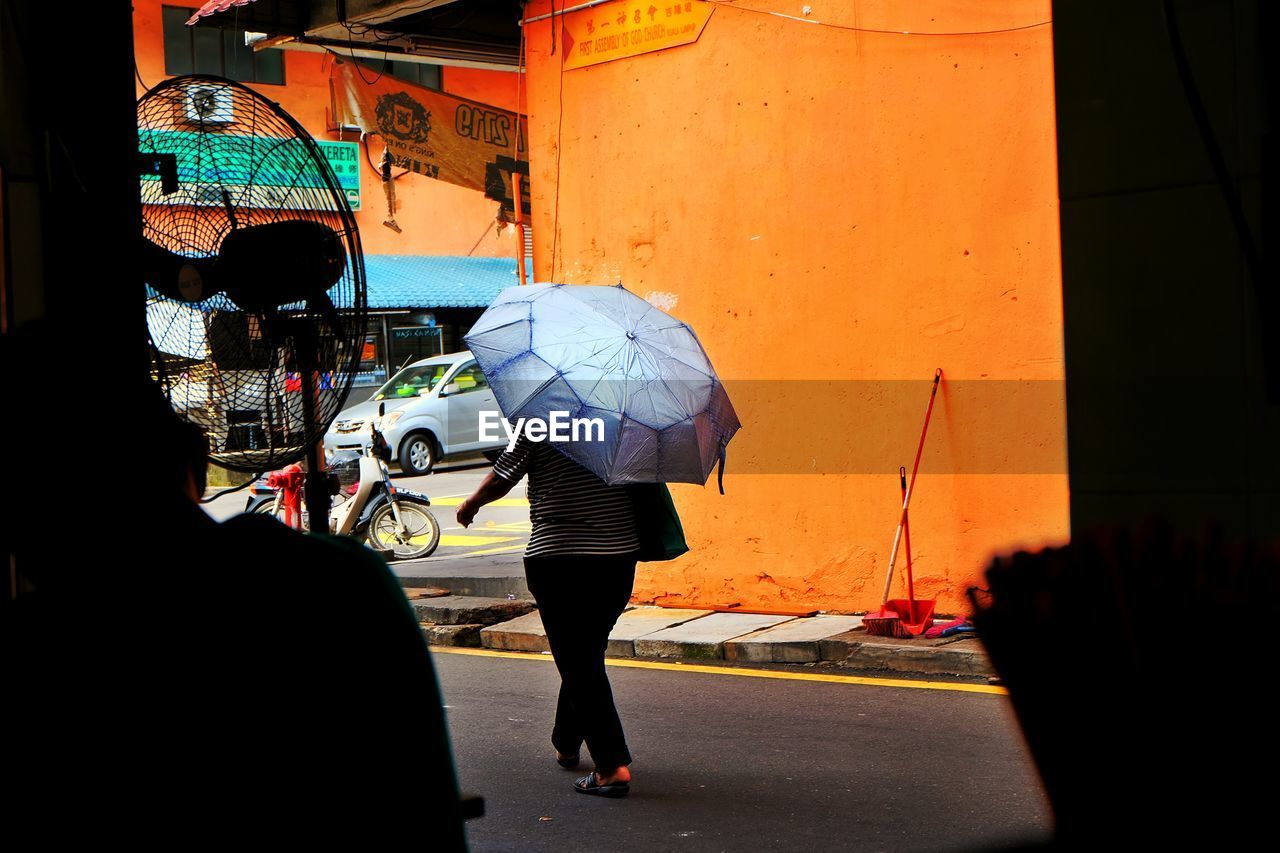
(1138, 662)
(184, 679)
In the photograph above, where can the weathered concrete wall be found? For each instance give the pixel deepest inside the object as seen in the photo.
(830, 204)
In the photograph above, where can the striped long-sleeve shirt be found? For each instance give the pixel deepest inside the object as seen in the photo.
(572, 510)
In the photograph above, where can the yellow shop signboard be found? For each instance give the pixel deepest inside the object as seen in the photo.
(629, 28)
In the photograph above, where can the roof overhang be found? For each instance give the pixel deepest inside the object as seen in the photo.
(462, 33)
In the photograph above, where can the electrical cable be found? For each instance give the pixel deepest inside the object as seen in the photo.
(732, 4)
(857, 29)
(351, 36)
(555, 235)
(487, 225)
(465, 14)
(364, 142)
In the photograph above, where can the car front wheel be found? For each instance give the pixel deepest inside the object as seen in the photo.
(417, 454)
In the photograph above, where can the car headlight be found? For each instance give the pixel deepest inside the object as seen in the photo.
(388, 421)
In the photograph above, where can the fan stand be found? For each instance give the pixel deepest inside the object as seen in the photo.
(316, 488)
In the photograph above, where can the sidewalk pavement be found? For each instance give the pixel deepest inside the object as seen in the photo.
(491, 576)
(513, 624)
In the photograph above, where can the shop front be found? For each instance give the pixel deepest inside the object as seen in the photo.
(420, 306)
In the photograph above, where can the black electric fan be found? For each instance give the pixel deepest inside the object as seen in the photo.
(256, 298)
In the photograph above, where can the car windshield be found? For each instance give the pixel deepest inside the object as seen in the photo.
(412, 381)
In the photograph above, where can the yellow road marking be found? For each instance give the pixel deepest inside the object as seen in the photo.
(447, 539)
(746, 673)
(492, 527)
(390, 540)
(456, 501)
(502, 550)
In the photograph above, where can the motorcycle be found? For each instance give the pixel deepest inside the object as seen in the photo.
(397, 523)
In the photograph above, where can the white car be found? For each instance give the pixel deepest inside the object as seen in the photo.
(432, 411)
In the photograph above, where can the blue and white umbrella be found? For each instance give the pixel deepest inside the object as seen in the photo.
(604, 354)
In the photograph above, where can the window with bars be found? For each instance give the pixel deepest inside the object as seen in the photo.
(206, 49)
(417, 73)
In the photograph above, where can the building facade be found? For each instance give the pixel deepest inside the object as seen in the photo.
(449, 252)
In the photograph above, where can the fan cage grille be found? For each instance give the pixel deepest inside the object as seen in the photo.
(241, 161)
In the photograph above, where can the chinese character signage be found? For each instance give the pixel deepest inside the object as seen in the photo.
(344, 157)
(629, 28)
(438, 135)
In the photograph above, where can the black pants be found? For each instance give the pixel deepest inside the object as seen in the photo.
(579, 599)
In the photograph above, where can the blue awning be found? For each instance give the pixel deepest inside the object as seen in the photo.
(437, 281)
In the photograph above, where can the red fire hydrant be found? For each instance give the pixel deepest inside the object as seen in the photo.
(289, 481)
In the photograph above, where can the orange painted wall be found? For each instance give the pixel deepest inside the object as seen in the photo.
(849, 206)
(487, 87)
(436, 218)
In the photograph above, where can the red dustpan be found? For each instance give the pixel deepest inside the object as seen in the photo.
(902, 617)
(915, 616)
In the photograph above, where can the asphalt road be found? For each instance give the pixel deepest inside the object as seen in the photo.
(501, 528)
(726, 763)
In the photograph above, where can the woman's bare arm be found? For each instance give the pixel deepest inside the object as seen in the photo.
(489, 491)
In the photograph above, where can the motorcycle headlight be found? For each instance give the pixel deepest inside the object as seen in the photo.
(388, 421)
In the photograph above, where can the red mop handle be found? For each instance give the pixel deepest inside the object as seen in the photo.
(906, 498)
(928, 413)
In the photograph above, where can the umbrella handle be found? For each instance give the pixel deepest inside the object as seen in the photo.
(721, 473)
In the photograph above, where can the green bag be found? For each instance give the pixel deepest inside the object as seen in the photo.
(657, 523)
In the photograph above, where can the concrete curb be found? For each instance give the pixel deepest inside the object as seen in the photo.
(496, 577)
(467, 636)
(703, 638)
(856, 650)
(640, 622)
(654, 632)
(458, 620)
(469, 610)
(795, 641)
(525, 634)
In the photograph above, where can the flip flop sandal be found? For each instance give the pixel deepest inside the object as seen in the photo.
(570, 763)
(589, 785)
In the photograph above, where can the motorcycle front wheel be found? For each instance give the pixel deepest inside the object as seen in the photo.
(265, 508)
(421, 531)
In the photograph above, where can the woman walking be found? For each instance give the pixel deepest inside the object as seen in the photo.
(580, 565)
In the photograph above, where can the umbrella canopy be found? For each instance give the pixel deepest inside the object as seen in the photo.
(604, 353)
